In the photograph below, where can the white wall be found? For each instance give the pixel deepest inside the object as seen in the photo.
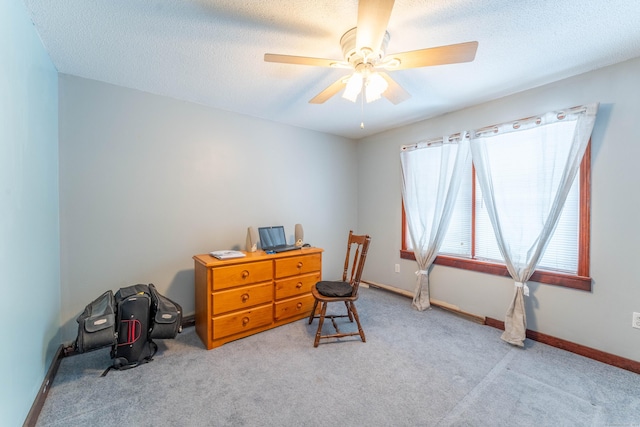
(600, 319)
(146, 182)
(29, 233)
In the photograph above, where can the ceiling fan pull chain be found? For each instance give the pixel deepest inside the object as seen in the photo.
(362, 109)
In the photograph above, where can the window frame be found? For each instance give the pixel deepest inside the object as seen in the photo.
(581, 280)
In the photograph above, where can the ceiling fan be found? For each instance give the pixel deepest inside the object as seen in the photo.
(364, 48)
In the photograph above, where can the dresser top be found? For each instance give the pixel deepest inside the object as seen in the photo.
(210, 261)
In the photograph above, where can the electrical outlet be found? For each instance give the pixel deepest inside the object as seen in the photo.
(397, 268)
(636, 320)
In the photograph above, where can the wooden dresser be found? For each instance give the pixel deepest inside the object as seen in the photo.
(243, 296)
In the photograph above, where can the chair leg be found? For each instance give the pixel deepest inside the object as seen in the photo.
(346, 303)
(313, 312)
(355, 314)
(319, 332)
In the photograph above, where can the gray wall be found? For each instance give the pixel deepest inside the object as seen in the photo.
(29, 234)
(146, 182)
(600, 319)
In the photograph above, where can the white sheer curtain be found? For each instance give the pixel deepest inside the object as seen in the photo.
(506, 158)
(431, 173)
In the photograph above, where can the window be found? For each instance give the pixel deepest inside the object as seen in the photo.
(470, 242)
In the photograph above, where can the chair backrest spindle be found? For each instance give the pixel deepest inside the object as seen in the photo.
(361, 244)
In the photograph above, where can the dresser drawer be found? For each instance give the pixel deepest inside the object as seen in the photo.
(241, 274)
(240, 298)
(296, 285)
(241, 321)
(293, 307)
(298, 265)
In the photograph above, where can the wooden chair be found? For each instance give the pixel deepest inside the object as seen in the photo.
(345, 290)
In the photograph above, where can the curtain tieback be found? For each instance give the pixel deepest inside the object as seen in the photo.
(423, 272)
(525, 288)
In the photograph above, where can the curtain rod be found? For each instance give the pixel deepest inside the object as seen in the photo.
(561, 114)
(433, 141)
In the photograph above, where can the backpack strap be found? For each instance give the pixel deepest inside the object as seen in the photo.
(154, 348)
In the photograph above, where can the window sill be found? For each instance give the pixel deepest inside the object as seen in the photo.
(540, 276)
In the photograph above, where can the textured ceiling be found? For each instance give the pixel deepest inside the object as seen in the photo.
(211, 51)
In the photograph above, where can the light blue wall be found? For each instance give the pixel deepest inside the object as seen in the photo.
(600, 319)
(29, 230)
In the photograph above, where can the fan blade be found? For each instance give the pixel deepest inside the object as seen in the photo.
(373, 18)
(394, 93)
(450, 54)
(330, 91)
(300, 60)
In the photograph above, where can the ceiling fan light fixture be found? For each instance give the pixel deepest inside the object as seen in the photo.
(353, 88)
(375, 87)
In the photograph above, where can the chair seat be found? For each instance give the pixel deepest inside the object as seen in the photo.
(334, 289)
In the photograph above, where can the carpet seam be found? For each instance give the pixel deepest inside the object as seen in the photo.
(470, 397)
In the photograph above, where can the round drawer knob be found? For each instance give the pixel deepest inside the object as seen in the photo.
(245, 297)
(245, 320)
(299, 305)
(299, 285)
(300, 265)
(245, 274)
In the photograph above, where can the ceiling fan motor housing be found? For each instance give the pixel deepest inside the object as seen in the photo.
(365, 59)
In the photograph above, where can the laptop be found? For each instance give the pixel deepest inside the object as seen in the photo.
(273, 239)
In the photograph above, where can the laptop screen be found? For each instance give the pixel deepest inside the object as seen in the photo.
(271, 237)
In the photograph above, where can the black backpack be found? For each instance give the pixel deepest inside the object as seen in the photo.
(133, 345)
(128, 322)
